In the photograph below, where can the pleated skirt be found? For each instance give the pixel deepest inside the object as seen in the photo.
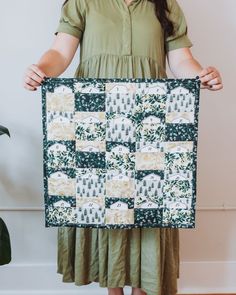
(146, 258)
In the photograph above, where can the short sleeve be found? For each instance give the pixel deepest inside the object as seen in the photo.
(72, 20)
(180, 37)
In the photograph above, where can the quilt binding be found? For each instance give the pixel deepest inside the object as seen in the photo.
(70, 82)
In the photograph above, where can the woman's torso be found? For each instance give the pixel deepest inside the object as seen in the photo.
(121, 41)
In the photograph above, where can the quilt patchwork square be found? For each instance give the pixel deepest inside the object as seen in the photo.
(120, 152)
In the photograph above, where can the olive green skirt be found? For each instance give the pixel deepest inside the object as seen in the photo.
(146, 258)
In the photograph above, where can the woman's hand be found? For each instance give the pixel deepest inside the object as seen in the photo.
(33, 77)
(210, 79)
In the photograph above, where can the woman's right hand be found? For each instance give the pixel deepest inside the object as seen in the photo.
(33, 77)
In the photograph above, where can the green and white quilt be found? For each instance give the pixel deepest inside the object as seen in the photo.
(120, 152)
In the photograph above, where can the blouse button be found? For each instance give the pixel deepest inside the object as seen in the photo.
(127, 35)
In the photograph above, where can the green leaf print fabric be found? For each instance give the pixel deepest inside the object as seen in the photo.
(120, 152)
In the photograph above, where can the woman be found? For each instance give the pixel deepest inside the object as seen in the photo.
(121, 39)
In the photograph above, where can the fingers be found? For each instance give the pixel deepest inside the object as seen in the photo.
(209, 76)
(206, 71)
(36, 69)
(210, 79)
(28, 87)
(32, 80)
(33, 77)
(204, 86)
(216, 87)
(214, 81)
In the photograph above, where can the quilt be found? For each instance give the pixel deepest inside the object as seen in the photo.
(120, 152)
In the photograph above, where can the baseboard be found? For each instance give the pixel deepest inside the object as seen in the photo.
(204, 277)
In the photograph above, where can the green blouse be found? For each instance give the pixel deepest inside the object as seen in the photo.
(117, 40)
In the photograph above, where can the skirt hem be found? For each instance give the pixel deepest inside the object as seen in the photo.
(102, 285)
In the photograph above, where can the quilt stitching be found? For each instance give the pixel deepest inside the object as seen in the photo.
(120, 152)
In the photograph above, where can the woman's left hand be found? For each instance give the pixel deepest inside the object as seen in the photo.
(210, 79)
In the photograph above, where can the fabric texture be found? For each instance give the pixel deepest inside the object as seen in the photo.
(120, 153)
(117, 41)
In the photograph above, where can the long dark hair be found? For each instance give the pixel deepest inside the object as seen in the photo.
(161, 8)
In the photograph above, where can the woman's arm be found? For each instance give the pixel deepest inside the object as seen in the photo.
(53, 62)
(183, 65)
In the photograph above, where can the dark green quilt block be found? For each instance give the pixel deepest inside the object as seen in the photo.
(180, 132)
(149, 188)
(124, 147)
(90, 102)
(126, 203)
(90, 160)
(150, 217)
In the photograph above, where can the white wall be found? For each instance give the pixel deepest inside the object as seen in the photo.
(208, 253)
